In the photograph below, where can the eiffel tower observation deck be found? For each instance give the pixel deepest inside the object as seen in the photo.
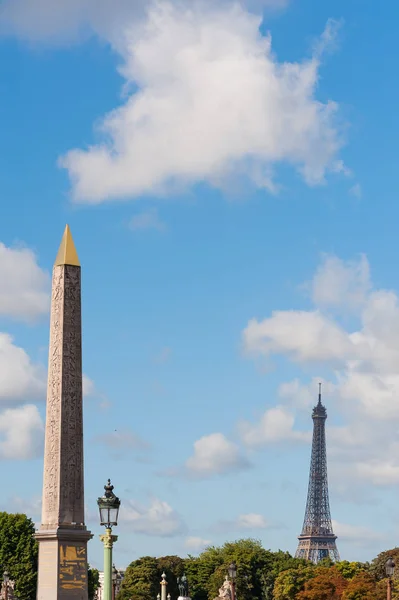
(317, 540)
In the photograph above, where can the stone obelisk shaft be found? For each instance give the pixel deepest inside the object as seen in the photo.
(63, 536)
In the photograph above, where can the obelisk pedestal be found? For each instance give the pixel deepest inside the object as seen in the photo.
(63, 535)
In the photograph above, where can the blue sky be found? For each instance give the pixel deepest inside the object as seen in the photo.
(233, 206)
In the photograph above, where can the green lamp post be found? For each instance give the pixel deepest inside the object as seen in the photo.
(108, 505)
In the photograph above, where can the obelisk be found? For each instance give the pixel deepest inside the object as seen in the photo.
(63, 535)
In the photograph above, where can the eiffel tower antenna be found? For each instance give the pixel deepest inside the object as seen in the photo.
(317, 540)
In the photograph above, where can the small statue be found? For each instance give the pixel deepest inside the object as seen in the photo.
(225, 590)
(183, 586)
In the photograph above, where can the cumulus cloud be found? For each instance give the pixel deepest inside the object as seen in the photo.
(363, 363)
(157, 519)
(340, 283)
(245, 522)
(88, 386)
(275, 425)
(25, 289)
(252, 521)
(357, 534)
(20, 379)
(211, 103)
(214, 454)
(305, 336)
(196, 544)
(21, 433)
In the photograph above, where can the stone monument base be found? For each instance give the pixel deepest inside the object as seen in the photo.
(62, 564)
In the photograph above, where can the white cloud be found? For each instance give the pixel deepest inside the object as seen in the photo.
(147, 220)
(20, 379)
(275, 425)
(304, 336)
(245, 522)
(21, 433)
(338, 283)
(196, 544)
(88, 386)
(298, 395)
(157, 519)
(357, 534)
(363, 390)
(213, 105)
(25, 289)
(251, 521)
(210, 103)
(215, 454)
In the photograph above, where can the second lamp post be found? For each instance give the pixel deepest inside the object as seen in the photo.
(233, 575)
(108, 506)
(389, 570)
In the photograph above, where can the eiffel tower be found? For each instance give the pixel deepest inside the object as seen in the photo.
(317, 540)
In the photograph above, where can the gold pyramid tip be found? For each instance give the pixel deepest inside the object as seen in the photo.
(67, 254)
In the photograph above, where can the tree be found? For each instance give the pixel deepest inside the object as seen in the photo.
(92, 581)
(377, 569)
(328, 584)
(141, 580)
(173, 567)
(351, 569)
(18, 553)
(363, 587)
(207, 572)
(257, 570)
(289, 583)
(199, 571)
(279, 562)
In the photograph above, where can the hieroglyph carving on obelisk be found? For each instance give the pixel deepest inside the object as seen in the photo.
(63, 535)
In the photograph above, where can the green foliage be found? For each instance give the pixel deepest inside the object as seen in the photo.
(173, 567)
(377, 567)
(349, 570)
(92, 581)
(279, 562)
(290, 582)
(261, 575)
(326, 562)
(143, 577)
(257, 570)
(18, 553)
(141, 581)
(203, 573)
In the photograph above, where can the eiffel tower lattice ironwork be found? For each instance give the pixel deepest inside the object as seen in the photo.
(317, 540)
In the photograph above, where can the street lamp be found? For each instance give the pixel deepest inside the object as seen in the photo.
(114, 578)
(119, 579)
(389, 570)
(116, 581)
(233, 574)
(108, 506)
(6, 579)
